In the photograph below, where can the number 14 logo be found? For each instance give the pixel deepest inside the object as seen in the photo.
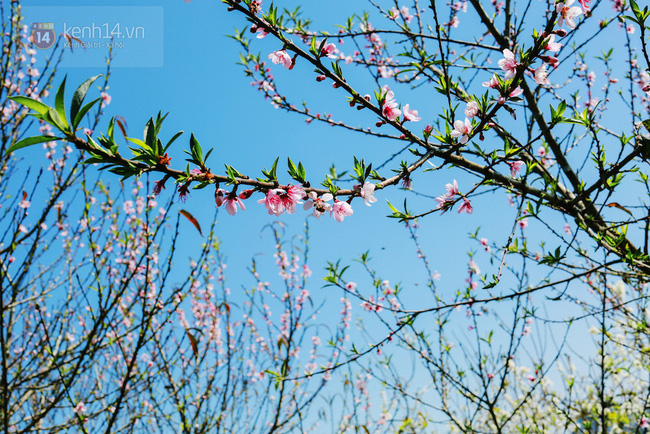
(43, 35)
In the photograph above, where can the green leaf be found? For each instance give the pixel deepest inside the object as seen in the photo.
(59, 102)
(37, 106)
(52, 117)
(81, 113)
(78, 98)
(29, 141)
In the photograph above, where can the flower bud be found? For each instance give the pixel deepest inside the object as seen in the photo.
(245, 194)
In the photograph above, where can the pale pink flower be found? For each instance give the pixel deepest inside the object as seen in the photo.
(393, 13)
(106, 99)
(465, 206)
(462, 130)
(219, 196)
(341, 210)
(406, 14)
(231, 204)
(25, 204)
(390, 108)
(515, 166)
(281, 57)
(452, 189)
(508, 64)
(567, 229)
(567, 13)
(492, 83)
(261, 32)
(410, 115)
(329, 50)
(541, 75)
(80, 408)
(291, 197)
(319, 204)
(645, 422)
(367, 193)
(442, 202)
(273, 202)
(472, 109)
(454, 22)
(585, 5)
(551, 45)
(523, 223)
(515, 93)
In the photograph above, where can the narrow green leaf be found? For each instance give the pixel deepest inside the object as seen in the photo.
(29, 141)
(81, 113)
(37, 106)
(78, 97)
(59, 102)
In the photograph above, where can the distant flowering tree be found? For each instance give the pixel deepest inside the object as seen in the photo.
(502, 94)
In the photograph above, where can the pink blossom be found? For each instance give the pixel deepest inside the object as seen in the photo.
(231, 203)
(367, 193)
(591, 76)
(106, 99)
(515, 93)
(273, 202)
(471, 109)
(523, 223)
(410, 115)
(25, 204)
(442, 202)
(390, 107)
(508, 64)
(645, 422)
(319, 204)
(281, 57)
(341, 210)
(452, 189)
(293, 196)
(515, 166)
(219, 196)
(492, 83)
(567, 14)
(541, 75)
(277, 200)
(80, 408)
(329, 50)
(585, 5)
(551, 45)
(462, 130)
(261, 32)
(406, 13)
(465, 206)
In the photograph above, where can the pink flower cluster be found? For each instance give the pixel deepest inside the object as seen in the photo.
(445, 200)
(280, 200)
